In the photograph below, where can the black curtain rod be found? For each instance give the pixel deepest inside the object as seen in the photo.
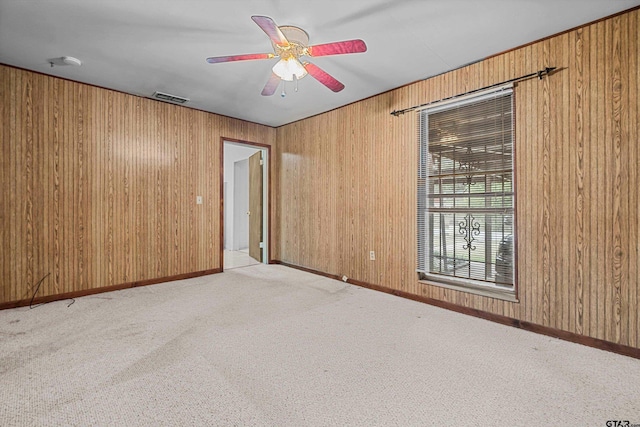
(540, 74)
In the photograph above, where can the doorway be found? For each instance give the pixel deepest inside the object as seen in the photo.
(244, 202)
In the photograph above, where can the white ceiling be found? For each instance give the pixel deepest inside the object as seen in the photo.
(143, 46)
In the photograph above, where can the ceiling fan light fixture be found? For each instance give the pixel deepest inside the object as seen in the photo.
(70, 60)
(64, 60)
(286, 69)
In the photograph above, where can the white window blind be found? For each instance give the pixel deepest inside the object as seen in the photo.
(466, 224)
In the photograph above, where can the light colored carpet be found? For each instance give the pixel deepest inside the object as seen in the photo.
(269, 345)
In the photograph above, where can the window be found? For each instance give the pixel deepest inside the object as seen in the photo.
(466, 224)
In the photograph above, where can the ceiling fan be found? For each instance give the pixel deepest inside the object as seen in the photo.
(289, 44)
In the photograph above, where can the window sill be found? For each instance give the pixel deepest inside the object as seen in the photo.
(470, 287)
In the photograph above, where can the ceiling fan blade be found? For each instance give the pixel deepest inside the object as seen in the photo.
(338, 48)
(323, 77)
(271, 86)
(217, 59)
(272, 30)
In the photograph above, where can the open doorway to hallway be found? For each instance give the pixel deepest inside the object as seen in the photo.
(245, 207)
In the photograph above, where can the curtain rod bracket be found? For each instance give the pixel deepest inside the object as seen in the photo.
(547, 71)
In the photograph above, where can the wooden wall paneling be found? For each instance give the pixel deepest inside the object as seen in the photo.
(17, 238)
(565, 168)
(396, 206)
(636, 137)
(4, 177)
(609, 177)
(634, 201)
(577, 173)
(84, 153)
(8, 118)
(95, 158)
(557, 198)
(369, 193)
(618, 175)
(13, 115)
(116, 191)
(99, 187)
(603, 277)
(584, 176)
(67, 209)
(574, 147)
(121, 184)
(340, 168)
(25, 192)
(27, 166)
(62, 205)
(110, 269)
(547, 273)
(64, 208)
(526, 219)
(634, 213)
(188, 185)
(194, 187)
(353, 170)
(76, 186)
(196, 177)
(143, 191)
(44, 183)
(377, 194)
(592, 174)
(514, 67)
(327, 168)
(625, 158)
(351, 174)
(309, 202)
(121, 193)
(329, 161)
(38, 170)
(403, 204)
(621, 204)
(53, 159)
(537, 188)
(78, 196)
(336, 167)
(315, 184)
(174, 144)
(137, 180)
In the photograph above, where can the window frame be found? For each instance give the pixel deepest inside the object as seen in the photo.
(468, 285)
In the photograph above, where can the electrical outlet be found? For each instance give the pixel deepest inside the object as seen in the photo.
(198, 200)
(372, 255)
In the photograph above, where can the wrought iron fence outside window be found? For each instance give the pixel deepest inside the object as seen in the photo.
(466, 224)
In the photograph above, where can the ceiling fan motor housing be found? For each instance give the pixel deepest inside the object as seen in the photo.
(298, 42)
(295, 35)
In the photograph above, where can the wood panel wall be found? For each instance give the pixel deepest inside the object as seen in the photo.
(347, 184)
(99, 187)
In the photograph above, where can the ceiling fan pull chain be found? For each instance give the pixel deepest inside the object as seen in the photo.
(295, 79)
(283, 94)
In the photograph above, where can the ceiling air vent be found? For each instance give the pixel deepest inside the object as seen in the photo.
(170, 98)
